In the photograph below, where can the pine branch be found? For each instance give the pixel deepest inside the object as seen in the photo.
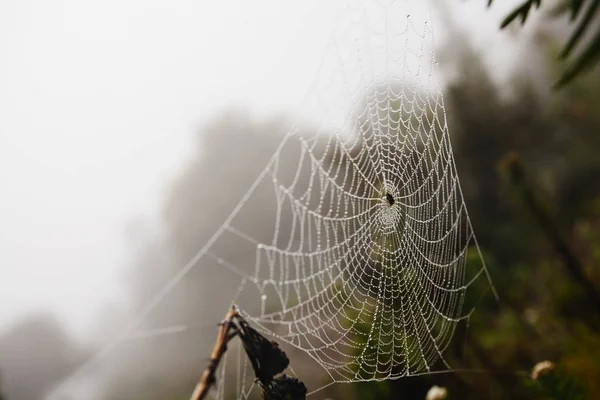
(590, 55)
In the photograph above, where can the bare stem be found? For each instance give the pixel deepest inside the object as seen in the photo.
(223, 337)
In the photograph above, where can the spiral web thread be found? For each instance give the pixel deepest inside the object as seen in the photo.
(371, 261)
(373, 278)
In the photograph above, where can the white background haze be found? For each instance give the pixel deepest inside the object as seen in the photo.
(99, 103)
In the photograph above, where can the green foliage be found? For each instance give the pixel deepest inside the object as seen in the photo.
(521, 11)
(591, 53)
(374, 390)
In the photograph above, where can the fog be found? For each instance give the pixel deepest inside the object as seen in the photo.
(99, 107)
(106, 108)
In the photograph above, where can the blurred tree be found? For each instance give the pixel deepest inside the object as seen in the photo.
(35, 355)
(1, 388)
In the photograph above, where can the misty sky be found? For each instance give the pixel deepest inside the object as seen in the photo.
(100, 102)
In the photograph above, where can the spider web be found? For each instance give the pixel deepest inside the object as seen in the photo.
(369, 261)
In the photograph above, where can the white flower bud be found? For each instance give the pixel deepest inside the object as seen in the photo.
(436, 393)
(541, 368)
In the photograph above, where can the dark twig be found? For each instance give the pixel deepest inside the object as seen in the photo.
(227, 331)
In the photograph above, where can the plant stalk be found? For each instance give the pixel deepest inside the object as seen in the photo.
(223, 337)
